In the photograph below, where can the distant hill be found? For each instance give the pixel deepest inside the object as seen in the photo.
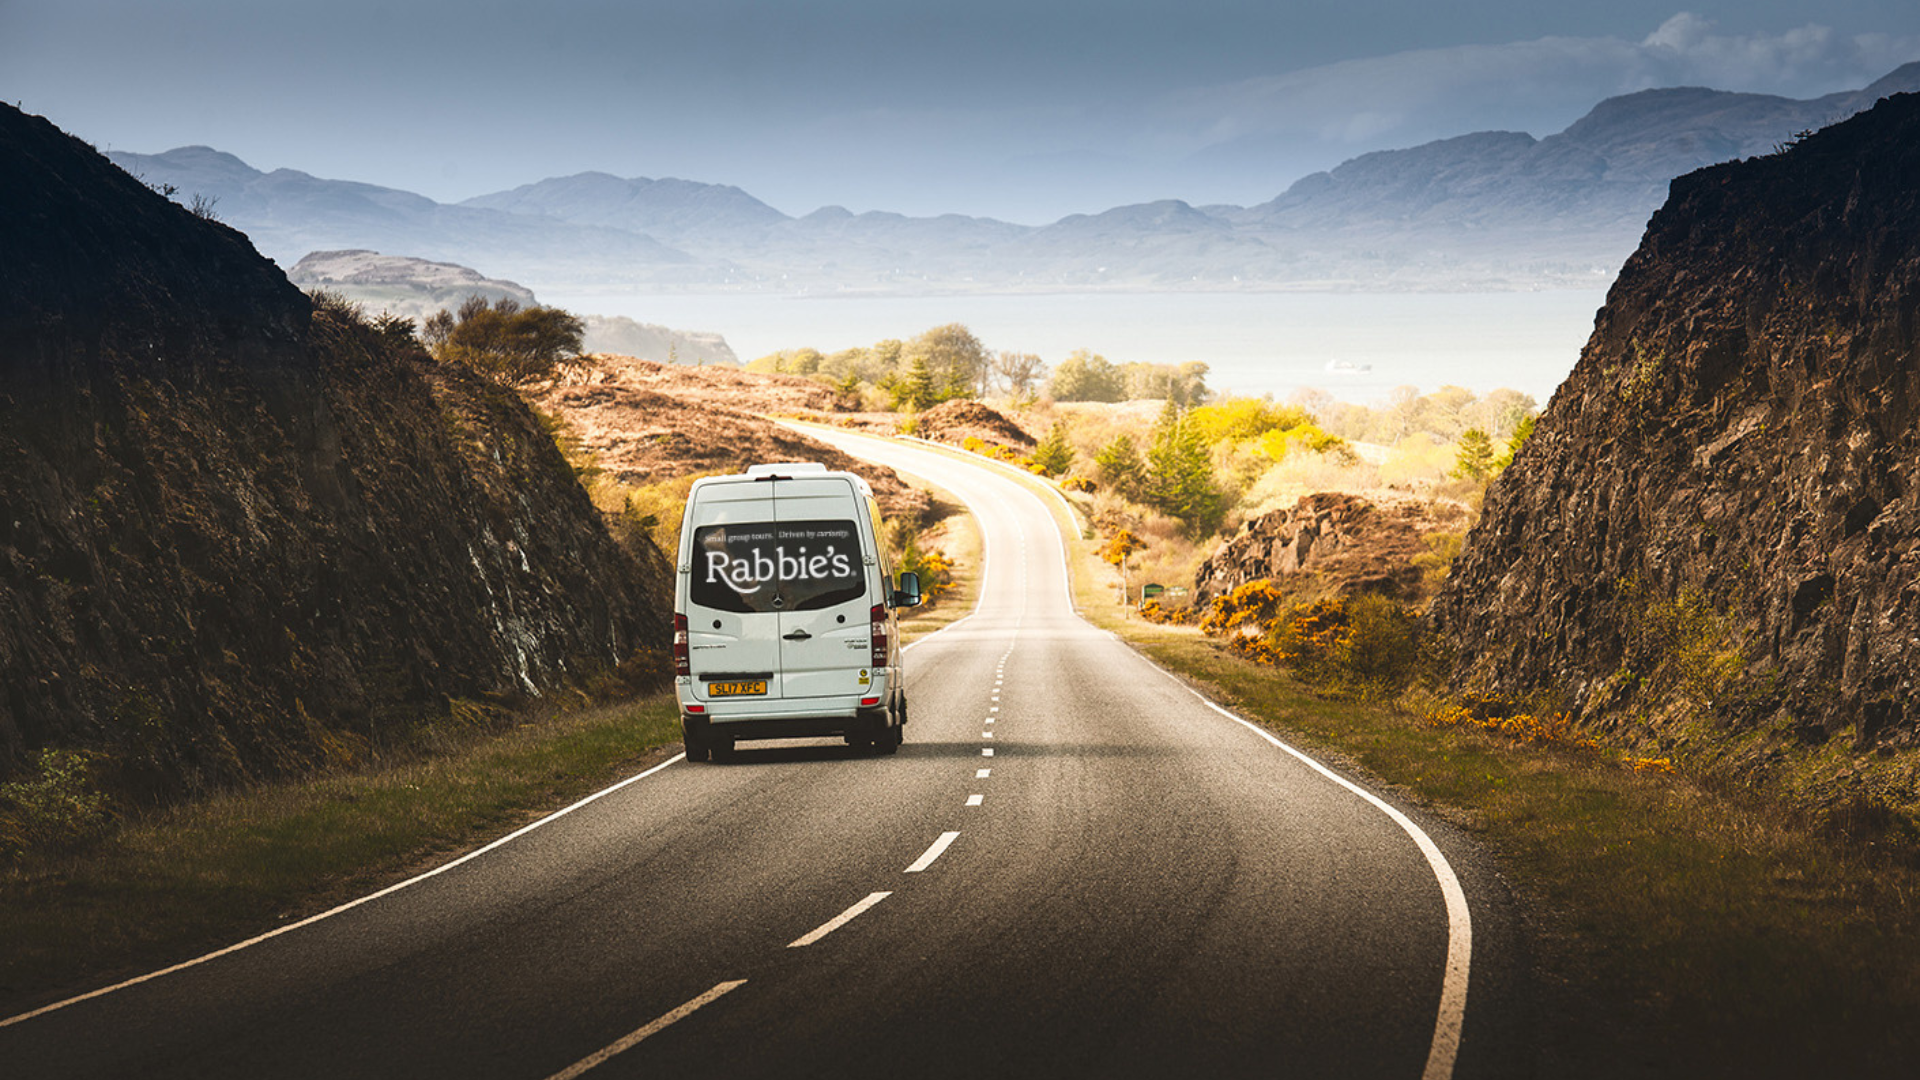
(1485, 210)
(417, 288)
(668, 209)
(288, 214)
(399, 285)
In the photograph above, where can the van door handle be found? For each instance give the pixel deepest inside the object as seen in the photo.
(798, 635)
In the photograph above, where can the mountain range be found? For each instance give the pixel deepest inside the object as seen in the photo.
(1485, 210)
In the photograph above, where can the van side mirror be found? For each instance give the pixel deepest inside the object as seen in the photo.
(908, 594)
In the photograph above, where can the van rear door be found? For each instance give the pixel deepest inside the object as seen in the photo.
(733, 631)
(825, 620)
(781, 568)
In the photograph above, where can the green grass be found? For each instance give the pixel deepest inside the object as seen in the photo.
(169, 886)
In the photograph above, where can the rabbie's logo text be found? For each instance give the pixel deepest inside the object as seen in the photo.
(796, 553)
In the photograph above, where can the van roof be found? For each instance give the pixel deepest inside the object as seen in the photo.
(785, 468)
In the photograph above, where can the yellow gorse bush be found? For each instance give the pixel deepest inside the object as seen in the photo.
(1556, 728)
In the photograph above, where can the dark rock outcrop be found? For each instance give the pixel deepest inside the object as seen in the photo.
(1733, 468)
(242, 536)
(956, 421)
(1331, 544)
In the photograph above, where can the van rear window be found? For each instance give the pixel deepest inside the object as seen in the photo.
(776, 566)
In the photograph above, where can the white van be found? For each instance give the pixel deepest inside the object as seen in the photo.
(784, 605)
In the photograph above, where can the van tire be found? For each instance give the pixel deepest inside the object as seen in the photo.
(721, 747)
(693, 738)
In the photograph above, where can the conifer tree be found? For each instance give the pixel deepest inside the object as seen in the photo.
(1179, 480)
(1055, 453)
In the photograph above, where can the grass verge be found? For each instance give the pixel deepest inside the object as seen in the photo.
(181, 882)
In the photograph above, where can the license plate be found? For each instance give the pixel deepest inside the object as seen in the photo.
(736, 689)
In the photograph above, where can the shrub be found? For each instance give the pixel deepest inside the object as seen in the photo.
(1364, 646)
(59, 807)
(505, 342)
(934, 567)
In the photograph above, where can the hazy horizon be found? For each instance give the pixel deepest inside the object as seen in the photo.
(1023, 112)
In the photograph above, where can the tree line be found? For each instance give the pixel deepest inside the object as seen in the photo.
(949, 362)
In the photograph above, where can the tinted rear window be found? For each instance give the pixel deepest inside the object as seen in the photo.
(776, 566)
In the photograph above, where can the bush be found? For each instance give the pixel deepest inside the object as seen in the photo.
(58, 808)
(933, 566)
(1361, 646)
(505, 342)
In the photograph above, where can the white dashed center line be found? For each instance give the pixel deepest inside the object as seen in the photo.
(982, 774)
(986, 751)
(932, 853)
(630, 1041)
(976, 800)
(838, 921)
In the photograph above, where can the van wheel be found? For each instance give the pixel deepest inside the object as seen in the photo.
(690, 738)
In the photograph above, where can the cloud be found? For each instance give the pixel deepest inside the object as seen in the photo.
(1538, 86)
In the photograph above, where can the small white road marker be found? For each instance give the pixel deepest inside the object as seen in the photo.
(932, 853)
(976, 800)
(986, 751)
(628, 1042)
(986, 734)
(982, 774)
(838, 921)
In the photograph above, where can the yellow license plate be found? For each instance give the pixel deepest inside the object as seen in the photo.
(736, 689)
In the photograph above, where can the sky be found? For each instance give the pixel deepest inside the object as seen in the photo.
(1024, 110)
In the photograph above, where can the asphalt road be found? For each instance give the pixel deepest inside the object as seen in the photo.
(1074, 866)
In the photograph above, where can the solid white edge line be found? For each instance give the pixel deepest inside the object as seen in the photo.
(939, 846)
(628, 1042)
(1453, 987)
(837, 921)
(348, 906)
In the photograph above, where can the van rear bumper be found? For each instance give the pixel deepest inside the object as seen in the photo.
(861, 722)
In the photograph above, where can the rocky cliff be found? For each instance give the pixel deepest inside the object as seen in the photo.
(1331, 544)
(242, 536)
(1714, 533)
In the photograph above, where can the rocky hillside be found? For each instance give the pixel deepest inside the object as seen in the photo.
(243, 536)
(1332, 544)
(1714, 532)
(646, 423)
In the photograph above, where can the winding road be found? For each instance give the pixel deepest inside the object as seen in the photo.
(1075, 866)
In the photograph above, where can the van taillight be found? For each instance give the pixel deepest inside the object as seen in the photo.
(681, 664)
(879, 635)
